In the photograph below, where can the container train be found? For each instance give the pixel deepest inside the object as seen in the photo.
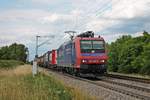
(84, 54)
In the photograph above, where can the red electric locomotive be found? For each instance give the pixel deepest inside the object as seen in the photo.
(84, 54)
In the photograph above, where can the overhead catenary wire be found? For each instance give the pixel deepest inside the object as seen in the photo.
(100, 13)
(89, 14)
(118, 10)
(102, 9)
(97, 15)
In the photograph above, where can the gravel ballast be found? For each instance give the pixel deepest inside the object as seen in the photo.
(93, 90)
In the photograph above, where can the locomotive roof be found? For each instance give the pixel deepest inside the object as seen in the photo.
(89, 35)
(86, 34)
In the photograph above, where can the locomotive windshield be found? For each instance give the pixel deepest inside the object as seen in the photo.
(98, 44)
(87, 46)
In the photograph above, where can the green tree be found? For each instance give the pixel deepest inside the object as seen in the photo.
(14, 52)
(146, 60)
(130, 55)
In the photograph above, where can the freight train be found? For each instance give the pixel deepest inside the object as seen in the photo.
(84, 54)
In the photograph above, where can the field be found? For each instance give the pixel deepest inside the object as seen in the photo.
(18, 84)
(9, 64)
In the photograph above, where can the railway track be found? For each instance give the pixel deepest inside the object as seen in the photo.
(126, 89)
(140, 88)
(129, 78)
(109, 86)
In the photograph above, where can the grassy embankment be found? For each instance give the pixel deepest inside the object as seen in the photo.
(18, 84)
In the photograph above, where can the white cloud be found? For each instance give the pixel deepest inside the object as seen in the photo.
(120, 12)
(137, 34)
(98, 25)
(42, 1)
(128, 8)
(113, 36)
(51, 18)
(22, 15)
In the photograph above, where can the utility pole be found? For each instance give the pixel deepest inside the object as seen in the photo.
(27, 54)
(36, 55)
(35, 66)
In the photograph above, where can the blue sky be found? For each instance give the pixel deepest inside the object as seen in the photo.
(22, 20)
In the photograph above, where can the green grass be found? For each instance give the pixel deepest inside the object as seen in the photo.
(19, 84)
(7, 64)
(40, 87)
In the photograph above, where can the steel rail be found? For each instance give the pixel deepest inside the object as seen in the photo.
(101, 84)
(142, 80)
(128, 85)
(126, 92)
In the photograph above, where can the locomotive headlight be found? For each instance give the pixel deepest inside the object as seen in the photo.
(102, 60)
(84, 61)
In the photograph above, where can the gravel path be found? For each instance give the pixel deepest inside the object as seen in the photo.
(99, 92)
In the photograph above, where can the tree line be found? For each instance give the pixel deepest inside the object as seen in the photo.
(14, 52)
(130, 54)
